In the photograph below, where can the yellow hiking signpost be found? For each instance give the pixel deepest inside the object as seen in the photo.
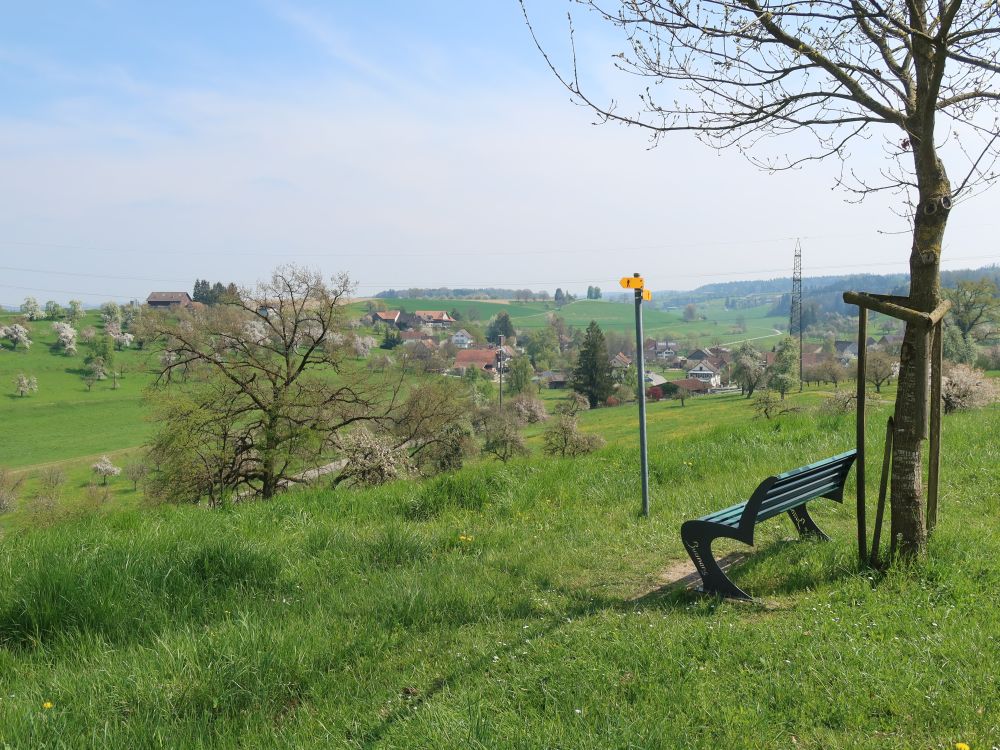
(637, 283)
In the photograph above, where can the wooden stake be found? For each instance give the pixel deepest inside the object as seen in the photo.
(882, 491)
(860, 438)
(934, 459)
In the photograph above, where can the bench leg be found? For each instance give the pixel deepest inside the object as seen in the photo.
(805, 525)
(697, 537)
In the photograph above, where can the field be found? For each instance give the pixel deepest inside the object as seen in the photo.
(66, 425)
(512, 605)
(612, 316)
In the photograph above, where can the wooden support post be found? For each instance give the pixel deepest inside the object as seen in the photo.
(934, 459)
(883, 488)
(862, 361)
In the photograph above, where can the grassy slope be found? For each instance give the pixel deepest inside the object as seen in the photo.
(63, 420)
(364, 619)
(612, 316)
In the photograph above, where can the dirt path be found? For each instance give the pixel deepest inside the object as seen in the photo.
(83, 459)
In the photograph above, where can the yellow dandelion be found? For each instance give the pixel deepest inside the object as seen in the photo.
(47, 705)
(961, 746)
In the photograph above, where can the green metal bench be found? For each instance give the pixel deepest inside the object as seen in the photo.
(785, 493)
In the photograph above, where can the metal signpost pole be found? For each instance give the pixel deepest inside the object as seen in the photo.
(500, 368)
(642, 398)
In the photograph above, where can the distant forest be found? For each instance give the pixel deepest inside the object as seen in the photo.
(820, 293)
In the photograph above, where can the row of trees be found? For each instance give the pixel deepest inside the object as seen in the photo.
(208, 293)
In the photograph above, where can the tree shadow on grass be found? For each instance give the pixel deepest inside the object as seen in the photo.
(780, 569)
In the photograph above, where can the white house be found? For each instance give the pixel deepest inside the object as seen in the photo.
(461, 339)
(706, 373)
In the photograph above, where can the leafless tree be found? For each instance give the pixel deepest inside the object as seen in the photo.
(837, 70)
(273, 376)
(880, 369)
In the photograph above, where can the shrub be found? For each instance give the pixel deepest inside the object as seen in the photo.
(964, 387)
(502, 439)
(528, 409)
(8, 490)
(989, 359)
(613, 401)
(135, 472)
(846, 402)
(372, 459)
(573, 405)
(563, 438)
(769, 405)
(654, 393)
(449, 449)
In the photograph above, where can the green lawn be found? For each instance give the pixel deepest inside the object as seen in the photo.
(64, 420)
(512, 606)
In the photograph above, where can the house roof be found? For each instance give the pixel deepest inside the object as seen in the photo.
(389, 316)
(620, 360)
(700, 354)
(439, 316)
(482, 358)
(461, 332)
(178, 297)
(705, 364)
(842, 346)
(413, 336)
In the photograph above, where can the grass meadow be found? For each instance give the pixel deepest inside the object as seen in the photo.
(512, 605)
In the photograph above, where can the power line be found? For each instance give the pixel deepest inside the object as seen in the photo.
(95, 275)
(467, 252)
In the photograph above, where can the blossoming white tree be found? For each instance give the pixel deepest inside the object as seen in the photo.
(75, 312)
(67, 336)
(30, 308)
(25, 384)
(104, 469)
(16, 334)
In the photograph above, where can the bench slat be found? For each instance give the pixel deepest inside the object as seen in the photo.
(802, 479)
(805, 491)
(778, 508)
(840, 457)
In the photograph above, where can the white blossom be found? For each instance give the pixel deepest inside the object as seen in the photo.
(17, 334)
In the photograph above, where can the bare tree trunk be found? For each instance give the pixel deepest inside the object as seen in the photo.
(909, 532)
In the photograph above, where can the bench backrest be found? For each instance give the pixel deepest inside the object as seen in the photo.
(775, 495)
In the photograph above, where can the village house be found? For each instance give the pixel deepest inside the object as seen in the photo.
(388, 317)
(705, 372)
(169, 299)
(620, 362)
(417, 337)
(890, 342)
(435, 318)
(554, 379)
(481, 359)
(462, 339)
(699, 354)
(694, 386)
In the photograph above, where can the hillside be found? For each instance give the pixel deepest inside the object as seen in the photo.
(510, 606)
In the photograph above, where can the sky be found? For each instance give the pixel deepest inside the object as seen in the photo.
(143, 145)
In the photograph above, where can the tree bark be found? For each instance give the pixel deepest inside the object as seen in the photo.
(909, 530)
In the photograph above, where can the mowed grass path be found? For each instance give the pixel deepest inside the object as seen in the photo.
(511, 606)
